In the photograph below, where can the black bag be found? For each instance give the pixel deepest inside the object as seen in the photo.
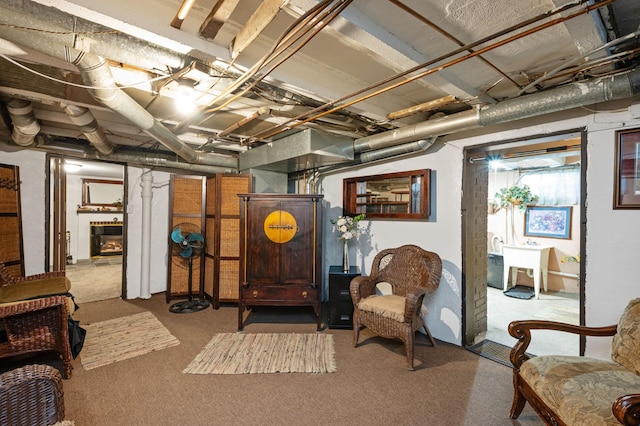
(76, 337)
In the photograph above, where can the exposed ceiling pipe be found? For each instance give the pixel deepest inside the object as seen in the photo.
(25, 125)
(338, 104)
(56, 28)
(423, 107)
(87, 123)
(144, 159)
(259, 112)
(96, 73)
(392, 151)
(620, 86)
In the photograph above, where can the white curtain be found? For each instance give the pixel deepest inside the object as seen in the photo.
(554, 187)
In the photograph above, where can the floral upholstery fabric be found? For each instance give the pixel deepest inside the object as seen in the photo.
(625, 348)
(580, 390)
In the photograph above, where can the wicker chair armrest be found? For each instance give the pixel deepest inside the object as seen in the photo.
(33, 391)
(18, 308)
(627, 409)
(521, 330)
(413, 303)
(42, 276)
(361, 287)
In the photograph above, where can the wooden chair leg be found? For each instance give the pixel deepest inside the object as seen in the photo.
(431, 339)
(518, 400)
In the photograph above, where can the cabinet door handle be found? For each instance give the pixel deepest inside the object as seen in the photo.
(344, 292)
(304, 294)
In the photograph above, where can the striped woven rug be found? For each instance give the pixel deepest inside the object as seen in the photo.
(123, 338)
(237, 353)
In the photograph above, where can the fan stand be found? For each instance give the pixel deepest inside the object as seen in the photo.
(189, 306)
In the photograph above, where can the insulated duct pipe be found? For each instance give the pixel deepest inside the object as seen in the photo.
(25, 125)
(83, 118)
(96, 73)
(392, 151)
(145, 250)
(131, 158)
(573, 95)
(57, 28)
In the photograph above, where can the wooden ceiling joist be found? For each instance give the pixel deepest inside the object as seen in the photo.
(264, 14)
(219, 14)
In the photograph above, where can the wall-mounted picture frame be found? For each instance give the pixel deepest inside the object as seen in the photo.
(551, 222)
(626, 194)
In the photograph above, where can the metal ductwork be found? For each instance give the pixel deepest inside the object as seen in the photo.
(304, 150)
(573, 95)
(145, 159)
(96, 73)
(87, 123)
(68, 46)
(393, 151)
(25, 125)
(57, 28)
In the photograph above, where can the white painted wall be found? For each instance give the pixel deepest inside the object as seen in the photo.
(611, 258)
(159, 231)
(32, 193)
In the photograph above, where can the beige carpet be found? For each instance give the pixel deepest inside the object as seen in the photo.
(236, 353)
(123, 338)
(93, 283)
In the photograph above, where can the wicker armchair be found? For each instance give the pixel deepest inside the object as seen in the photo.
(31, 395)
(411, 272)
(34, 313)
(37, 326)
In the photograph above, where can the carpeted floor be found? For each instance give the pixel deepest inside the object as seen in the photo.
(233, 353)
(96, 281)
(450, 386)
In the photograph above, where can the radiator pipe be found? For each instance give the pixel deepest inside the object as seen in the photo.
(145, 250)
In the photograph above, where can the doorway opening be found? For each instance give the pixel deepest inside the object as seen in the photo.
(518, 264)
(87, 201)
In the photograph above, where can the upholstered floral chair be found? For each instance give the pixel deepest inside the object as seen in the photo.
(578, 390)
(410, 272)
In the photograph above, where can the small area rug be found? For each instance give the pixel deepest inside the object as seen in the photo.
(238, 353)
(123, 338)
(520, 292)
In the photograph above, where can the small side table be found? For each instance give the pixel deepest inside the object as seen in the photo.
(340, 304)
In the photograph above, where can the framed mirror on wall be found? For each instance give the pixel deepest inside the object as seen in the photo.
(400, 195)
(101, 192)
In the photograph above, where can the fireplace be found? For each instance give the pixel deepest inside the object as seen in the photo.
(106, 239)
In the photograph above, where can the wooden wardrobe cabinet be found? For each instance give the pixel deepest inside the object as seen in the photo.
(280, 252)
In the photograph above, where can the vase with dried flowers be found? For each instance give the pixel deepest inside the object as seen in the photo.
(347, 229)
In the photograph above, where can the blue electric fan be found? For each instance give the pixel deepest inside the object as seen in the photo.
(187, 243)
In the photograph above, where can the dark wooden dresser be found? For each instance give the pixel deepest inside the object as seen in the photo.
(280, 252)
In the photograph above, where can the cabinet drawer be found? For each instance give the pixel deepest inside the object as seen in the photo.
(340, 314)
(339, 292)
(279, 293)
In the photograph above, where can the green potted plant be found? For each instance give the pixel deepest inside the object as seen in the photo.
(515, 195)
